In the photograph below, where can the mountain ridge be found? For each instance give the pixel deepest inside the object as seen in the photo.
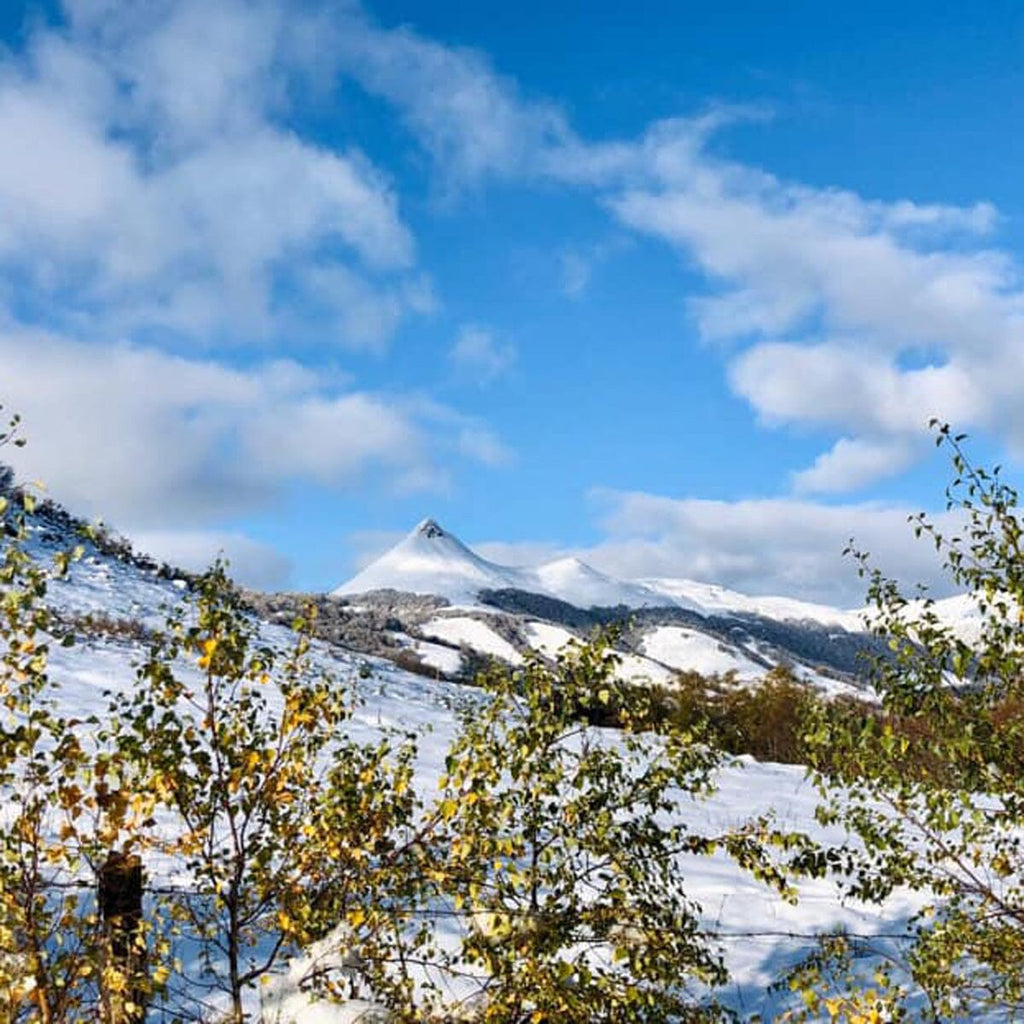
(432, 560)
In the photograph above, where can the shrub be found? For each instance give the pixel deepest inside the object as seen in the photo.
(932, 789)
(559, 843)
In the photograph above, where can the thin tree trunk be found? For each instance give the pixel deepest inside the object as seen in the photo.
(238, 1017)
(120, 900)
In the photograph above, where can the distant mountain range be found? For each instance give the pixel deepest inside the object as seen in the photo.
(430, 560)
(669, 624)
(434, 606)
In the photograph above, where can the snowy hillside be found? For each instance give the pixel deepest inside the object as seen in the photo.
(758, 934)
(712, 599)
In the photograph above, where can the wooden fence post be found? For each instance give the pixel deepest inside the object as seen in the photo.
(120, 902)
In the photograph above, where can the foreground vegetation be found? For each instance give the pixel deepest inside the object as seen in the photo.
(232, 771)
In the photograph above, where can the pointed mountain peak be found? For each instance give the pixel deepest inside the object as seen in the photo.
(429, 560)
(430, 529)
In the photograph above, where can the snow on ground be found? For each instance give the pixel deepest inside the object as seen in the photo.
(431, 561)
(711, 599)
(688, 650)
(577, 583)
(734, 905)
(547, 638)
(458, 629)
(444, 659)
(961, 612)
(636, 669)
(97, 585)
(436, 656)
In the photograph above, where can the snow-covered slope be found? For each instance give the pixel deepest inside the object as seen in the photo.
(432, 561)
(689, 650)
(577, 583)
(712, 599)
(759, 934)
(459, 629)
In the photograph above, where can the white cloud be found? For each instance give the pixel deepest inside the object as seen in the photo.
(798, 277)
(147, 181)
(850, 315)
(479, 354)
(145, 438)
(766, 546)
(364, 314)
(851, 463)
(367, 546)
(850, 386)
(519, 553)
(471, 119)
(576, 271)
(252, 563)
(484, 446)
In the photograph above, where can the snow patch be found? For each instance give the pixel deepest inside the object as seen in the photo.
(460, 630)
(690, 651)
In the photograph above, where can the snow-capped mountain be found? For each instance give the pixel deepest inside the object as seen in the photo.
(430, 560)
(674, 624)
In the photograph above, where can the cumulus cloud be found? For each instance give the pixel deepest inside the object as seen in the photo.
(147, 180)
(766, 546)
(146, 438)
(479, 354)
(848, 314)
(851, 463)
(471, 119)
(251, 563)
(849, 387)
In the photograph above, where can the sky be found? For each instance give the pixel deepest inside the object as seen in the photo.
(673, 287)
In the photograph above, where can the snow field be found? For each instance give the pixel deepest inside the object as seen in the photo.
(759, 933)
(688, 650)
(473, 633)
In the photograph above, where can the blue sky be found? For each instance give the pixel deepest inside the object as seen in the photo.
(673, 287)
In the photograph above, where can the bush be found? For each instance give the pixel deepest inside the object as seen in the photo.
(932, 789)
(559, 843)
(285, 826)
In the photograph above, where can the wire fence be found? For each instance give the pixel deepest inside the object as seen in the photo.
(468, 915)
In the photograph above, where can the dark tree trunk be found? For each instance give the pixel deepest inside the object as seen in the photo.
(120, 901)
